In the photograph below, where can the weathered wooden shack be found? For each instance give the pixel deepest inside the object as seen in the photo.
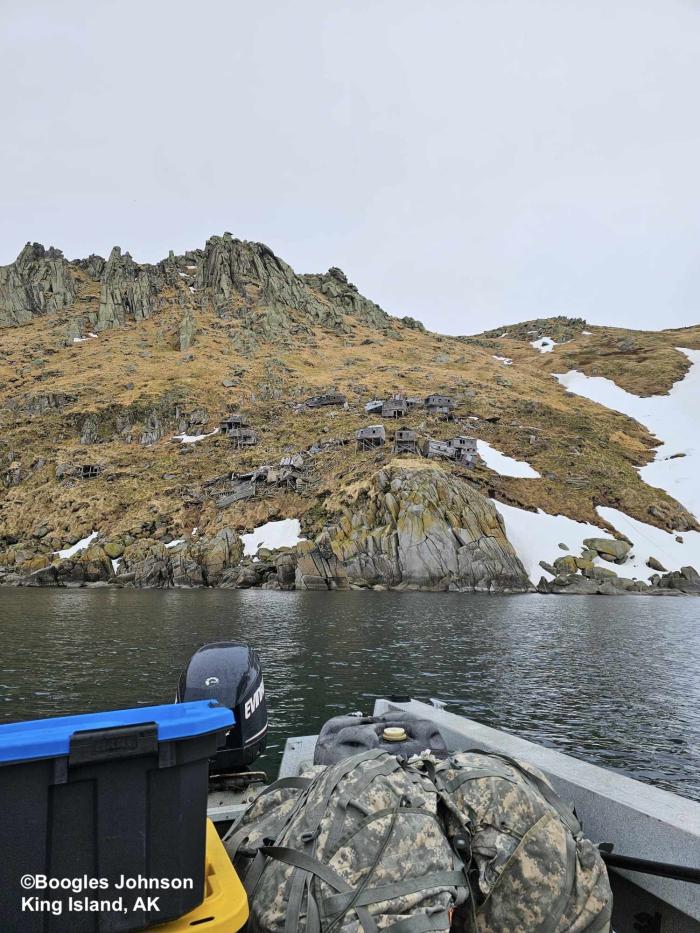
(287, 476)
(440, 405)
(466, 449)
(374, 406)
(243, 437)
(405, 441)
(372, 436)
(464, 442)
(241, 491)
(394, 407)
(328, 398)
(233, 422)
(439, 450)
(293, 460)
(413, 402)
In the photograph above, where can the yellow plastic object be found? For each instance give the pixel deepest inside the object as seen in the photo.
(225, 905)
(394, 734)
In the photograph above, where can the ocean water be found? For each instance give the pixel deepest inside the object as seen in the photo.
(612, 680)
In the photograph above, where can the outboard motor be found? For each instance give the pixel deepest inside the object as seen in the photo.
(231, 674)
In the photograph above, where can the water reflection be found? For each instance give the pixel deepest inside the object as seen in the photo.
(612, 680)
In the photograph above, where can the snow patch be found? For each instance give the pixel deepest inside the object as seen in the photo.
(586, 333)
(504, 465)
(78, 546)
(673, 418)
(175, 543)
(115, 565)
(90, 336)
(536, 536)
(650, 541)
(544, 344)
(503, 359)
(271, 535)
(193, 438)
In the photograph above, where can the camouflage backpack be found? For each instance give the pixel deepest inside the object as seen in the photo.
(531, 867)
(262, 822)
(362, 847)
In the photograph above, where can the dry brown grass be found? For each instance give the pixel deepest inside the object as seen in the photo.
(587, 455)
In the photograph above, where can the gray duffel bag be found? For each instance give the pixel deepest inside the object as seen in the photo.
(398, 733)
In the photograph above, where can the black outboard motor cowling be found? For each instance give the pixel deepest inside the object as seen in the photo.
(230, 673)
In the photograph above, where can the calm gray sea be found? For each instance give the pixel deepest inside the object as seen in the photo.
(614, 680)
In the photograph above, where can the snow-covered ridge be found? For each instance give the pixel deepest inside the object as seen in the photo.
(673, 418)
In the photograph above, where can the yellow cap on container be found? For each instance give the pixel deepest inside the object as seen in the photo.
(394, 734)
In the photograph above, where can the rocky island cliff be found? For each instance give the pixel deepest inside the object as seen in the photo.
(155, 417)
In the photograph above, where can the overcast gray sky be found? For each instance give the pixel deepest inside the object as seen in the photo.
(467, 162)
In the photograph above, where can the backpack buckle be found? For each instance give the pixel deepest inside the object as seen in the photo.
(462, 846)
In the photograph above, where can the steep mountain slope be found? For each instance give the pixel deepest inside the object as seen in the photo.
(103, 363)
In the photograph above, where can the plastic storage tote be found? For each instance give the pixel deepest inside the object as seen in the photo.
(103, 817)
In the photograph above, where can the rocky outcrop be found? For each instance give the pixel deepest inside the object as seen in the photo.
(591, 583)
(130, 290)
(188, 330)
(38, 282)
(145, 421)
(318, 567)
(250, 273)
(601, 581)
(560, 329)
(335, 286)
(655, 564)
(240, 279)
(415, 526)
(612, 549)
(195, 562)
(40, 403)
(686, 580)
(147, 562)
(89, 566)
(411, 526)
(237, 275)
(94, 266)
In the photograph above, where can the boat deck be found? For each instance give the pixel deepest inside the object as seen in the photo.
(642, 820)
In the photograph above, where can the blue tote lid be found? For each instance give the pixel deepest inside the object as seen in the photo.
(50, 738)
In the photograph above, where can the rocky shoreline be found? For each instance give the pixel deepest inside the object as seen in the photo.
(410, 527)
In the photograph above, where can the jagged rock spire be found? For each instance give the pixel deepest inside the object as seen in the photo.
(38, 282)
(239, 278)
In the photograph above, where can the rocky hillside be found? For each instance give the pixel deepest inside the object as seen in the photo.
(115, 375)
